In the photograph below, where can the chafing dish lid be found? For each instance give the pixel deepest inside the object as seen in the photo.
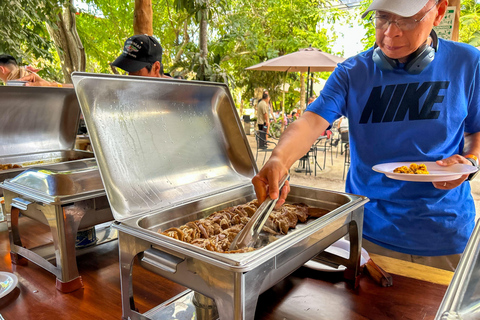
(59, 183)
(37, 119)
(161, 142)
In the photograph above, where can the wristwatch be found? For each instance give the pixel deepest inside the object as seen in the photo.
(474, 160)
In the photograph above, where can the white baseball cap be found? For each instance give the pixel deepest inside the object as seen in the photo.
(403, 8)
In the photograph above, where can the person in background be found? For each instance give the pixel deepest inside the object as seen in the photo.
(9, 69)
(263, 121)
(141, 56)
(412, 97)
(311, 99)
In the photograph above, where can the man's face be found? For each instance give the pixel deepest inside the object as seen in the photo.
(154, 71)
(399, 44)
(142, 72)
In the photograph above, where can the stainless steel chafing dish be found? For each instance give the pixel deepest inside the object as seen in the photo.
(172, 151)
(38, 126)
(67, 197)
(462, 299)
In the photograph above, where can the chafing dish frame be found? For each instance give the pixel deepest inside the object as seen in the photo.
(65, 215)
(241, 280)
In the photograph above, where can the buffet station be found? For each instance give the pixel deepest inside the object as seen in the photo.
(173, 168)
(47, 180)
(177, 170)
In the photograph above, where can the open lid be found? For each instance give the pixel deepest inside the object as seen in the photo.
(160, 142)
(37, 119)
(59, 183)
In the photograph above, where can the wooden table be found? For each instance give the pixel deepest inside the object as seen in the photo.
(306, 294)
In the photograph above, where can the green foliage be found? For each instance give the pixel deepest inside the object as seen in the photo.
(470, 22)
(103, 28)
(23, 33)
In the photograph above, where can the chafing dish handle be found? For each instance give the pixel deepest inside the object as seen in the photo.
(161, 260)
(20, 203)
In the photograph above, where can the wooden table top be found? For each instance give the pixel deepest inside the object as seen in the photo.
(305, 294)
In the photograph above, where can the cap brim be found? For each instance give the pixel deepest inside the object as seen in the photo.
(406, 8)
(129, 65)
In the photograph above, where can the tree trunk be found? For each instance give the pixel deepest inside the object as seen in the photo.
(143, 17)
(203, 44)
(68, 43)
(186, 40)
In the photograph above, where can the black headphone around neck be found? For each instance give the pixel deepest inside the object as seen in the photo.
(419, 60)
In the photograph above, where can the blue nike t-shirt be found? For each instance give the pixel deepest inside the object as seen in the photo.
(396, 116)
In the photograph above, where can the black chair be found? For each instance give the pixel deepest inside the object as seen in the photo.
(304, 162)
(264, 144)
(346, 164)
(322, 145)
(344, 140)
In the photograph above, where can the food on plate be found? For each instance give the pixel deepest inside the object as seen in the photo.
(9, 166)
(217, 231)
(413, 169)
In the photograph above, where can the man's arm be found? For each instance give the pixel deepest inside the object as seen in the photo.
(36, 81)
(472, 144)
(265, 118)
(293, 144)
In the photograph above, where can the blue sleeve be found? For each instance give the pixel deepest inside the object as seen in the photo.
(331, 104)
(472, 123)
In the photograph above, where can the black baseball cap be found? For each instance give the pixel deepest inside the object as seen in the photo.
(139, 51)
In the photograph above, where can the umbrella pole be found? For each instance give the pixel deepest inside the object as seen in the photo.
(311, 87)
(308, 80)
(283, 102)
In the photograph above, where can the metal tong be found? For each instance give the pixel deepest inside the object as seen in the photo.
(248, 236)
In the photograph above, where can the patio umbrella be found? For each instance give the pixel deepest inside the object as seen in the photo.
(304, 60)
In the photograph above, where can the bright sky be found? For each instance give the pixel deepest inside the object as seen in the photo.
(348, 40)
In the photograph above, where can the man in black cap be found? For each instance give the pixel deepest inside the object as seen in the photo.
(142, 56)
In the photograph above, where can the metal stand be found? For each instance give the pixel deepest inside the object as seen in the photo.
(64, 222)
(231, 298)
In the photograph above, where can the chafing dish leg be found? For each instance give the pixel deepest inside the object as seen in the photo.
(352, 272)
(14, 235)
(64, 225)
(128, 248)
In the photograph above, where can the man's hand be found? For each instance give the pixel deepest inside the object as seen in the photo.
(447, 185)
(266, 182)
(36, 81)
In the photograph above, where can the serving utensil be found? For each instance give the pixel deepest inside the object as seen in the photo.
(248, 236)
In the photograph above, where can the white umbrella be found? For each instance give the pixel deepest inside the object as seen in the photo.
(304, 60)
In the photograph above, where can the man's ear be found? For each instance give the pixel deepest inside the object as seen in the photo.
(442, 9)
(156, 68)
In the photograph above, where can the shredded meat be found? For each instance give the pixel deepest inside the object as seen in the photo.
(217, 231)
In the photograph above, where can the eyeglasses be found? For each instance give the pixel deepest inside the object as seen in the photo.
(404, 24)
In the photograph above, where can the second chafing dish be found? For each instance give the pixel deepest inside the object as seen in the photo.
(67, 197)
(38, 127)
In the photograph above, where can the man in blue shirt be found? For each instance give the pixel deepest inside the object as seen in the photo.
(411, 98)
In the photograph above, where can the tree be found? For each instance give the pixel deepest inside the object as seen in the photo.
(23, 33)
(64, 33)
(202, 10)
(470, 22)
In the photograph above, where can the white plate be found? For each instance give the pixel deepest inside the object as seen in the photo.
(436, 172)
(8, 282)
(340, 248)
